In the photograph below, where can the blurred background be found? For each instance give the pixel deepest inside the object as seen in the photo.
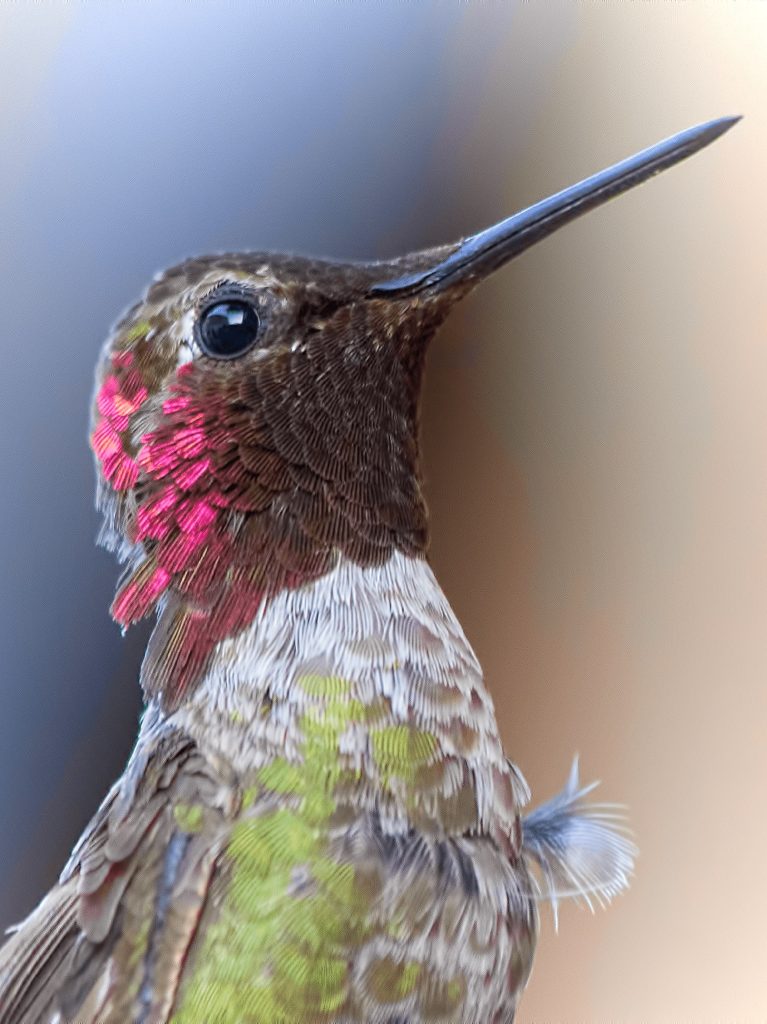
(595, 428)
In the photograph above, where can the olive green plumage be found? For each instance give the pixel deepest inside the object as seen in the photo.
(295, 909)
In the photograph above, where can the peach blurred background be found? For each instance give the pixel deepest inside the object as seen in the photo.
(595, 422)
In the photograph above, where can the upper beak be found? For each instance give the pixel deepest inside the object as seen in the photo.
(480, 254)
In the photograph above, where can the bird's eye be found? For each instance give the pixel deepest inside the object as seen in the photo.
(227, 327)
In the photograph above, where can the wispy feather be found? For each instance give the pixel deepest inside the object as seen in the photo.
(582, 850)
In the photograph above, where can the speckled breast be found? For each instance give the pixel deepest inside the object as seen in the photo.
(327, 916)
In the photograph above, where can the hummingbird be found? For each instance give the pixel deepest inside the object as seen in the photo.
(318, 822)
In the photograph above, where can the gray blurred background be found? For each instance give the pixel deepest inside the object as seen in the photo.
(595, 425)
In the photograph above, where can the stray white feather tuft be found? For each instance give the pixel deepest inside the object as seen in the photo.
(583, 851)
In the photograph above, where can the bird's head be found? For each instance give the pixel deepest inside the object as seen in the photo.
(256, 420)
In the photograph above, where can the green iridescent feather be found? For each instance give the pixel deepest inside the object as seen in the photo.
(281, 947)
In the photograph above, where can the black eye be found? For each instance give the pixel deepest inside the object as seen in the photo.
(227, 328)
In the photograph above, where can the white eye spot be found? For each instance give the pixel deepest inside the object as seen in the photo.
(182, 333)
(185, 354)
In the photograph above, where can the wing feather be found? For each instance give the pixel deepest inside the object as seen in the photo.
(108, 943)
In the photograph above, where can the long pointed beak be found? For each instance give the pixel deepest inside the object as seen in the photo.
(480, 254)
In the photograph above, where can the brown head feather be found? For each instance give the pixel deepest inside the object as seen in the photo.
(225, 480)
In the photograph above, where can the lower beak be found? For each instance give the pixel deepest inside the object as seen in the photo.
(481, 254)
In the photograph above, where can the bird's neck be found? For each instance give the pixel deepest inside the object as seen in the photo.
(367, 672)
